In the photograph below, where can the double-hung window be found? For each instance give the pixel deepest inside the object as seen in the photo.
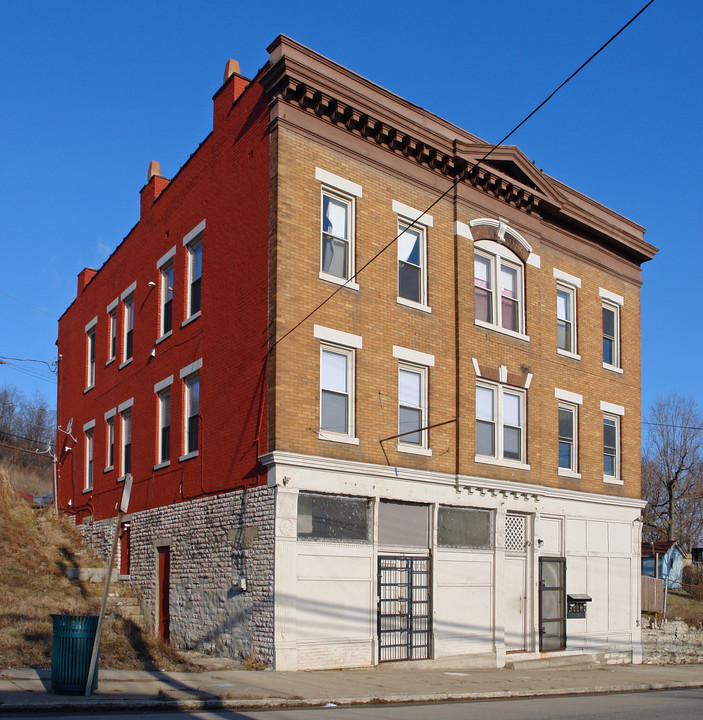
(568, 431)
(338, 201)
(191, 408)
(498, 287)
(500, 423)
(127, 298)
(90, 348)
(112, 331)
(110, 439)
(89, 429)
(337, 361)
(566, 313)
(165, 268)
(611, 329)
(125, 410)
(163, 395)
(193, 242)
(612, 419)
(412, 399)
(412, 255)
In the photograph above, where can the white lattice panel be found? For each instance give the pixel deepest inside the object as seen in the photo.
(515, 533)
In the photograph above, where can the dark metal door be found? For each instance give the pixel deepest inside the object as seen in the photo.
(552, 604)
(404, 609)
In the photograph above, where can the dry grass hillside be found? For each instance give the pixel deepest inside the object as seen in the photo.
(35, 549)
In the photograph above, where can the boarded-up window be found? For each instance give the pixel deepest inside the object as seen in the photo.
(333, 517)
(404, 524)
(464, 527)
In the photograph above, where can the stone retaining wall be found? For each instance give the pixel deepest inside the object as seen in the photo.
(215, 542)
(675, 643)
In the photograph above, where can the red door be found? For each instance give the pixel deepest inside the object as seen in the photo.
(164, 589)
(124, 548)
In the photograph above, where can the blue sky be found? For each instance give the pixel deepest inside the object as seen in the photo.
(91, 92)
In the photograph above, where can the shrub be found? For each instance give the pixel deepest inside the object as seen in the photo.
(693, 580)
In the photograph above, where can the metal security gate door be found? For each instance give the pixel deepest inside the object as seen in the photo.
(552, 602)
(404, 610)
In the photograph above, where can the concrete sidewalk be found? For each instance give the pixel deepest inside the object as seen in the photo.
(29, 690)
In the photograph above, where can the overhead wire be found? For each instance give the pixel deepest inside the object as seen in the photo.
(461, 176)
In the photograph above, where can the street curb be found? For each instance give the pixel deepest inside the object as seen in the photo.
(214, 703)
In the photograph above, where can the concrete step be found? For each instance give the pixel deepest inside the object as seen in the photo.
(582, 660)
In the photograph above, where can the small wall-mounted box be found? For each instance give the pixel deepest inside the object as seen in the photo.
(576, 605)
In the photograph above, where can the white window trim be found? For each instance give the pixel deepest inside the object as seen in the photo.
(127, 298)
(125, 410)
(571, 472)
(89, 326)
(617, 478)
(111, 318)
(496, 459)
(160, 394)
(188, 379)
(408, 216)
(570, 289)
(617, 345)
(110, 413)
(423, 447)
(349, 437)
(126, 405)
(336, 190)
(164, 269)
(89, 478)
(496, 252)
(112, 306)
(338, 183)
(129, 291)
(195, 241)
(91, 338)
(109, 418)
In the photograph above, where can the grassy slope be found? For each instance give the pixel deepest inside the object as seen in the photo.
(34, 551)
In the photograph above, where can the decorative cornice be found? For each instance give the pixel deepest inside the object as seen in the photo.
(362, 124)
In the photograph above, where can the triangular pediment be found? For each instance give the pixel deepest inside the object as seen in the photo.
(509, 163)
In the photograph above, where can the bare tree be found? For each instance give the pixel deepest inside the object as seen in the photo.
(672, 471)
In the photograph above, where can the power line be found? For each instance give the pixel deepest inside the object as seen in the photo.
(462, 175)
(34, 307)
(51, 366)
(670, 425)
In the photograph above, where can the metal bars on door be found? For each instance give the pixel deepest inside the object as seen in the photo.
(404, 608)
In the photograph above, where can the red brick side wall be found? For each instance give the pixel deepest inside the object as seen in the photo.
(225, 183)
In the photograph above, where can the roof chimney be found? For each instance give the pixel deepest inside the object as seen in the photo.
(233, 86)
(155, 184)
(84, 277)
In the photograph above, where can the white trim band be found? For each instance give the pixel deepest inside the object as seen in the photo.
(337, 182)
(463, 230)
(338, 337)
(412, 214)
(612, 408)
(613, 297)
(413, 356)
(565, 277)
(571, 397)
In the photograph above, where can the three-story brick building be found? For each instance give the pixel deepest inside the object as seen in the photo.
(379, 391)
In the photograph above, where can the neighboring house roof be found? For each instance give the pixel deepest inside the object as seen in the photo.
(659, 547)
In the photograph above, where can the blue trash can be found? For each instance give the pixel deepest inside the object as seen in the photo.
(71, 650)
